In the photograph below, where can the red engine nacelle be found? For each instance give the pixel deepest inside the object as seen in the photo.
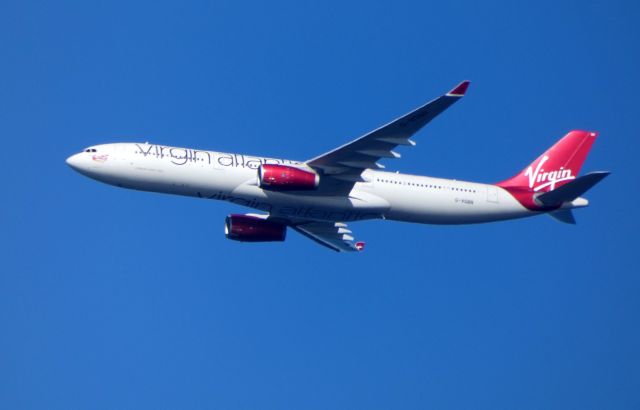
(285, 178)
(247, 228)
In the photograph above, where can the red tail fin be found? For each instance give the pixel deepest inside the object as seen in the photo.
(558, 165)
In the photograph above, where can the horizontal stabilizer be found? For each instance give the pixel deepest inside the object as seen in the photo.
(563, 215)
(572, 190)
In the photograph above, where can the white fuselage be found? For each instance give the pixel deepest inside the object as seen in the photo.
(233, 178)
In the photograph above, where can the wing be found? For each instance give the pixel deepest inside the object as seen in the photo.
(334, 235)
(347, 162)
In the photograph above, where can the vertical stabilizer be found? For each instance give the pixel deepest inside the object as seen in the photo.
(558, 165)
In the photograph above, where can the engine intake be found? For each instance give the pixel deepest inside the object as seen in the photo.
(248, 228)
(286, 178)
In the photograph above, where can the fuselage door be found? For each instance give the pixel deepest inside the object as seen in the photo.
(492, 194)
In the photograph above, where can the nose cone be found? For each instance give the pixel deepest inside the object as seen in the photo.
(75, 161)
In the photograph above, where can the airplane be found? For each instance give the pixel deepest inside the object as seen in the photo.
(318, 197)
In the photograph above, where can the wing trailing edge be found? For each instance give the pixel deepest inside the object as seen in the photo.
(365, 152)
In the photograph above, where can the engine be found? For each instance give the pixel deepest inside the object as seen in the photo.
(285, 178)
(248, 228)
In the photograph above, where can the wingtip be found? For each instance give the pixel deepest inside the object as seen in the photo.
(585, 133)
(459, 89)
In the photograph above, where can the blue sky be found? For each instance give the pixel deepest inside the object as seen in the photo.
(121, 299)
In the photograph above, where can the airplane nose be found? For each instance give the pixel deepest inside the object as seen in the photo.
(74, 161)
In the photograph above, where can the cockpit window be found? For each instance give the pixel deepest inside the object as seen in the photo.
(90, 150)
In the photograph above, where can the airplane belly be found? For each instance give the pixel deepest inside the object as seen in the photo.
(359, 205)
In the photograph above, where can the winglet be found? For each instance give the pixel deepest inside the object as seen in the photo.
(460, 89)
(360, 246)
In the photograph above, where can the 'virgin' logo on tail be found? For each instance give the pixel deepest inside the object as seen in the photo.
(546, 179)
